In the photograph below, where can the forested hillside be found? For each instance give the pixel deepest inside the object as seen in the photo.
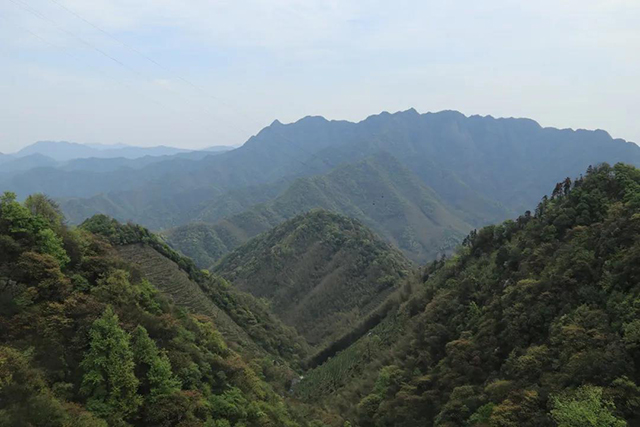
(379, 191)
(246, 322)
(534, 322)
(87, 340)
(322, 273)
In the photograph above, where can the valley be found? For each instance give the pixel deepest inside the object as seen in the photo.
(384, 280)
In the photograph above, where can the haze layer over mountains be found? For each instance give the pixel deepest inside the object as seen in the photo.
(422, 181)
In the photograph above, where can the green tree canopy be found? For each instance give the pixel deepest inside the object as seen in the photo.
(153, 368)
(109, 381)
(585, 408)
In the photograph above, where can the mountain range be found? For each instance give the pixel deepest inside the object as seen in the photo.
(62, 151)
(477, 170)
(318, 322)
(71, 156)
(328, 274)
(379, 191)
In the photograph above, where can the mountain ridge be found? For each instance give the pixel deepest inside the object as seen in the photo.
(64, 151)
(531, 323)
(320, 271)
(379, 191)
(452, 144)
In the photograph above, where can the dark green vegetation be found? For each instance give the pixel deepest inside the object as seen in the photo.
(322, 273)
(534, 322)
(86, 339)
(243, 319)
(379, 191)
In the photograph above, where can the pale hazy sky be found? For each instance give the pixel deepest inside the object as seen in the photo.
(564, 63)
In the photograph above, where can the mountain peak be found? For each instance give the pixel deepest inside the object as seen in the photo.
(312, 119)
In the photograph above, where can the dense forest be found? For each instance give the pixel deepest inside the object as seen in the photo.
(322, 273)
(87, 340)
(533, 322)
(319, 322)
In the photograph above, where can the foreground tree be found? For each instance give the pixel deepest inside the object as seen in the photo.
(152, 367)
(109, 381)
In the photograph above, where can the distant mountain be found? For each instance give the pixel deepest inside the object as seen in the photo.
(64, 151)
(509, 161)
(58, 150)
(18, 164)
(94, 177)
(485, 169)
(321, 272)
(107, 146)
(379, 191)
(95, 164)
(5, 158)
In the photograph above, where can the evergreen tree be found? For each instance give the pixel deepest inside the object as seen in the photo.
(153, 368)
(109, 381)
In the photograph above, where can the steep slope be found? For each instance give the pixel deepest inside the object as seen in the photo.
(533, 323)
(200, 242)
(466, 160)
(378, 191)
(87, 340)
(173, 282)
(321, 273)
(243, 320)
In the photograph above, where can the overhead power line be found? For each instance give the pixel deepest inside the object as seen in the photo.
(25, 6)
(183, 79)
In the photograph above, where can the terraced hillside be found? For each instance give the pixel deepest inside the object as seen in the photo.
(87, 340)
(167, 276)
(244, 321)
